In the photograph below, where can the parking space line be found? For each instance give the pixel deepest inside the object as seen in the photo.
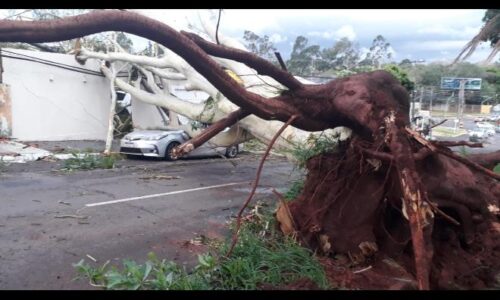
(164, 194)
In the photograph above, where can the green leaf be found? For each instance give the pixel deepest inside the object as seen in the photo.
(147, 270)
(170, 278)
(496, 169)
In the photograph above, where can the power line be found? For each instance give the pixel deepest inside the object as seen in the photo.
(52, 63)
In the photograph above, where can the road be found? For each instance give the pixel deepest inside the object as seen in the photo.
(41, 237)
(491, 144)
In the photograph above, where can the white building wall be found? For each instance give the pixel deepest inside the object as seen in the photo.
(52, 104)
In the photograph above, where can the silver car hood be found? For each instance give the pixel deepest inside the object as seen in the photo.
(140, 134)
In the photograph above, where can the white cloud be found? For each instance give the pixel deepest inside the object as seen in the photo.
(278, 38)
(344, 31)
(393, 53)
(363, 51)
(442, 45)
(441, 30)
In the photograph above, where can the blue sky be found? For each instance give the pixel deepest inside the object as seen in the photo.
(430, 34)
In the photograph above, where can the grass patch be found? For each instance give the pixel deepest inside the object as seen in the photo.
(261, 256)
(255, 145)
(3, 165)
(314, 145)
(448, 131)
(463, 151)
(87, 161)
(496, 169)
(295, 189)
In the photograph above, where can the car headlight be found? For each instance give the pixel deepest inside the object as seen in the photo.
(154, 138)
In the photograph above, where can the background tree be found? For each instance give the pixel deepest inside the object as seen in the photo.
(262, 46)
(401, 75)
(378, 54)
(304, 57)
(343, 55)
(489, 32)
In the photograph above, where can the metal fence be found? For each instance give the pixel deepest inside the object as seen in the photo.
(447, 102)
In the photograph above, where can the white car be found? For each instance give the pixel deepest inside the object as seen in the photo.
(160, 143)
(478, 135)
(488, 127)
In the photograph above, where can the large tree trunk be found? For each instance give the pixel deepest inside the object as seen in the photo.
(385, 184)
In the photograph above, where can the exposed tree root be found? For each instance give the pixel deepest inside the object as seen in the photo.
(358, 211)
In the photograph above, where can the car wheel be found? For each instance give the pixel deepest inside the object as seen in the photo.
(168, 151)
(232, 151)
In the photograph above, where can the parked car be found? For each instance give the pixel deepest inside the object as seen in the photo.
(160, 143)
(478, 135)
(493, 117)
(479, 119)
(488, 127)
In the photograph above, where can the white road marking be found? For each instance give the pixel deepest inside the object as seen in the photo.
(164, 194)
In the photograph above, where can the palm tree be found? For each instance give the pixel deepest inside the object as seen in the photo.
(489, 32)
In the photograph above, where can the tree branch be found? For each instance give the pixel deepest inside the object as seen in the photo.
(99, 21)
(469, 163)
(209, 133)
(256, 183)
(191, 110)
(487, 160)
(261, 65)
(457, 143)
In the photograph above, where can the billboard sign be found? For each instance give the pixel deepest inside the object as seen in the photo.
(453, 83)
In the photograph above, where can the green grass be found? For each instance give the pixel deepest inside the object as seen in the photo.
(294, 190)
(86, 161)
(254, 145)
(315, 145)
(496, 169)
(448, 131)
(261, 256)
(3, 165)
(463, 151)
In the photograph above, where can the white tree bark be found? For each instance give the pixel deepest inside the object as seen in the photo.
(219, 106)
(112, 112)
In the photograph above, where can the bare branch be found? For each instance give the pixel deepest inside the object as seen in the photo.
(255, 184)
(487, 160)
(469, 163)
(191, 110)
(209, 133)
(261, 65)
(457, 143)
(99, 21)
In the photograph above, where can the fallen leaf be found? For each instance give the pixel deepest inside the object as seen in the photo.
(284, 218)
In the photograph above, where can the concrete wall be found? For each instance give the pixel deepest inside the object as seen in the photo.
(52, 104)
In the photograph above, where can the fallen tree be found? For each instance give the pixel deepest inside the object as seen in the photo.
(385, 190)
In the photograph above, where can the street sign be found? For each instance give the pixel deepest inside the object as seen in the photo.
(453, 83)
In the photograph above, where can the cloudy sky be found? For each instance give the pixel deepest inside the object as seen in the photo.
(416, 34)
(431, 35)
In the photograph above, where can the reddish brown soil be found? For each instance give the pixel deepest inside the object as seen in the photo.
(347, 202)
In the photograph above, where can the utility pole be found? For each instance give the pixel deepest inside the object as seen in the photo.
(461, 99)
(430, 105)
(1, 66)
(422, 91)
(413, 105)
